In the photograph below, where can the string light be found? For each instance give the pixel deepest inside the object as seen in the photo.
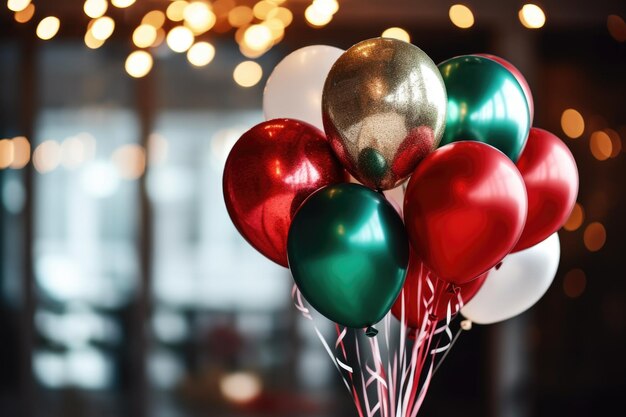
(461, 16)
(138, 64)
(248, 74)
(201, 54)
(397, 33)
(48, 28)
(532, 16)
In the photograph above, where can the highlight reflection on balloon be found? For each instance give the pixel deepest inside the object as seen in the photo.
(383, 107)
(270, 171)
(485, 104)
(348, 253)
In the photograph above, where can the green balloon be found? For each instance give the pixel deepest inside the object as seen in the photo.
(485, 104)
(348, 253)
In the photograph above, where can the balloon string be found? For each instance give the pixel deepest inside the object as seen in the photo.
(445, 355)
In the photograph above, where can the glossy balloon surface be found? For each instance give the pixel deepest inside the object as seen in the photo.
(485, 104)
(269, 172)
(348, 254)
(464, 210)
(520, 79)
(416, 292)
(551, 178)
(294, 89)
(514, 287)
(384, 107)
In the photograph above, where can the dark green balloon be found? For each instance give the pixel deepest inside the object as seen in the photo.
(485, 104)
(348, 253)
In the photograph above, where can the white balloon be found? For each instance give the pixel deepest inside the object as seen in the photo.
(522, 279)
(294, 89)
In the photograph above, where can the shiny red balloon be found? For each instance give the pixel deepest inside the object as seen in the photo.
(551, 177)
(417, 292)
(520, 79)
(269, 172)
(464, 210)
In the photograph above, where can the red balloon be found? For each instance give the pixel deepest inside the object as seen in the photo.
(269, 172)
(551, 177)
(520, 79)
(464, 210)
(415, 296)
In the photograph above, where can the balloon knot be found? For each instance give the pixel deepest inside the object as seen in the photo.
(499, 265)
(412, 334)
(453, 289)
(371, 332)
(432, 317)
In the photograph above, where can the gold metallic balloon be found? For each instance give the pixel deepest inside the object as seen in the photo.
(384, 109)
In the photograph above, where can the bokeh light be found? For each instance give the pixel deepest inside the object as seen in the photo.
(102, 28)
(144, 35)
(240, 16)
(574, 283)
(47, 156)
(281, 13)
(461, 16)
(257, 37)
(532, 16)
(130, 161)
(122, 3)
(176, 10)
(616, 141)
(600, 145)
(17, 5)
(572, 123)
(575, 219)
(154, 18)
(73, 153)
(617, 27)
(179, 39)
(201, 54)
(92, 42)
(594, 236)
(240, 387)
(397, 33)
(248, 73)
(138, 64)
(199, 17)
(317, 17)
(48, 28)
(95, 8)
(262, 8)
(6, 153)
(21, 152)
(25, 15)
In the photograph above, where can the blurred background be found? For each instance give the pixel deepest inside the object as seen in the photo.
(126, 291)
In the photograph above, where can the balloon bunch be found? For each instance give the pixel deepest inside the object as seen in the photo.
(472, 230)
